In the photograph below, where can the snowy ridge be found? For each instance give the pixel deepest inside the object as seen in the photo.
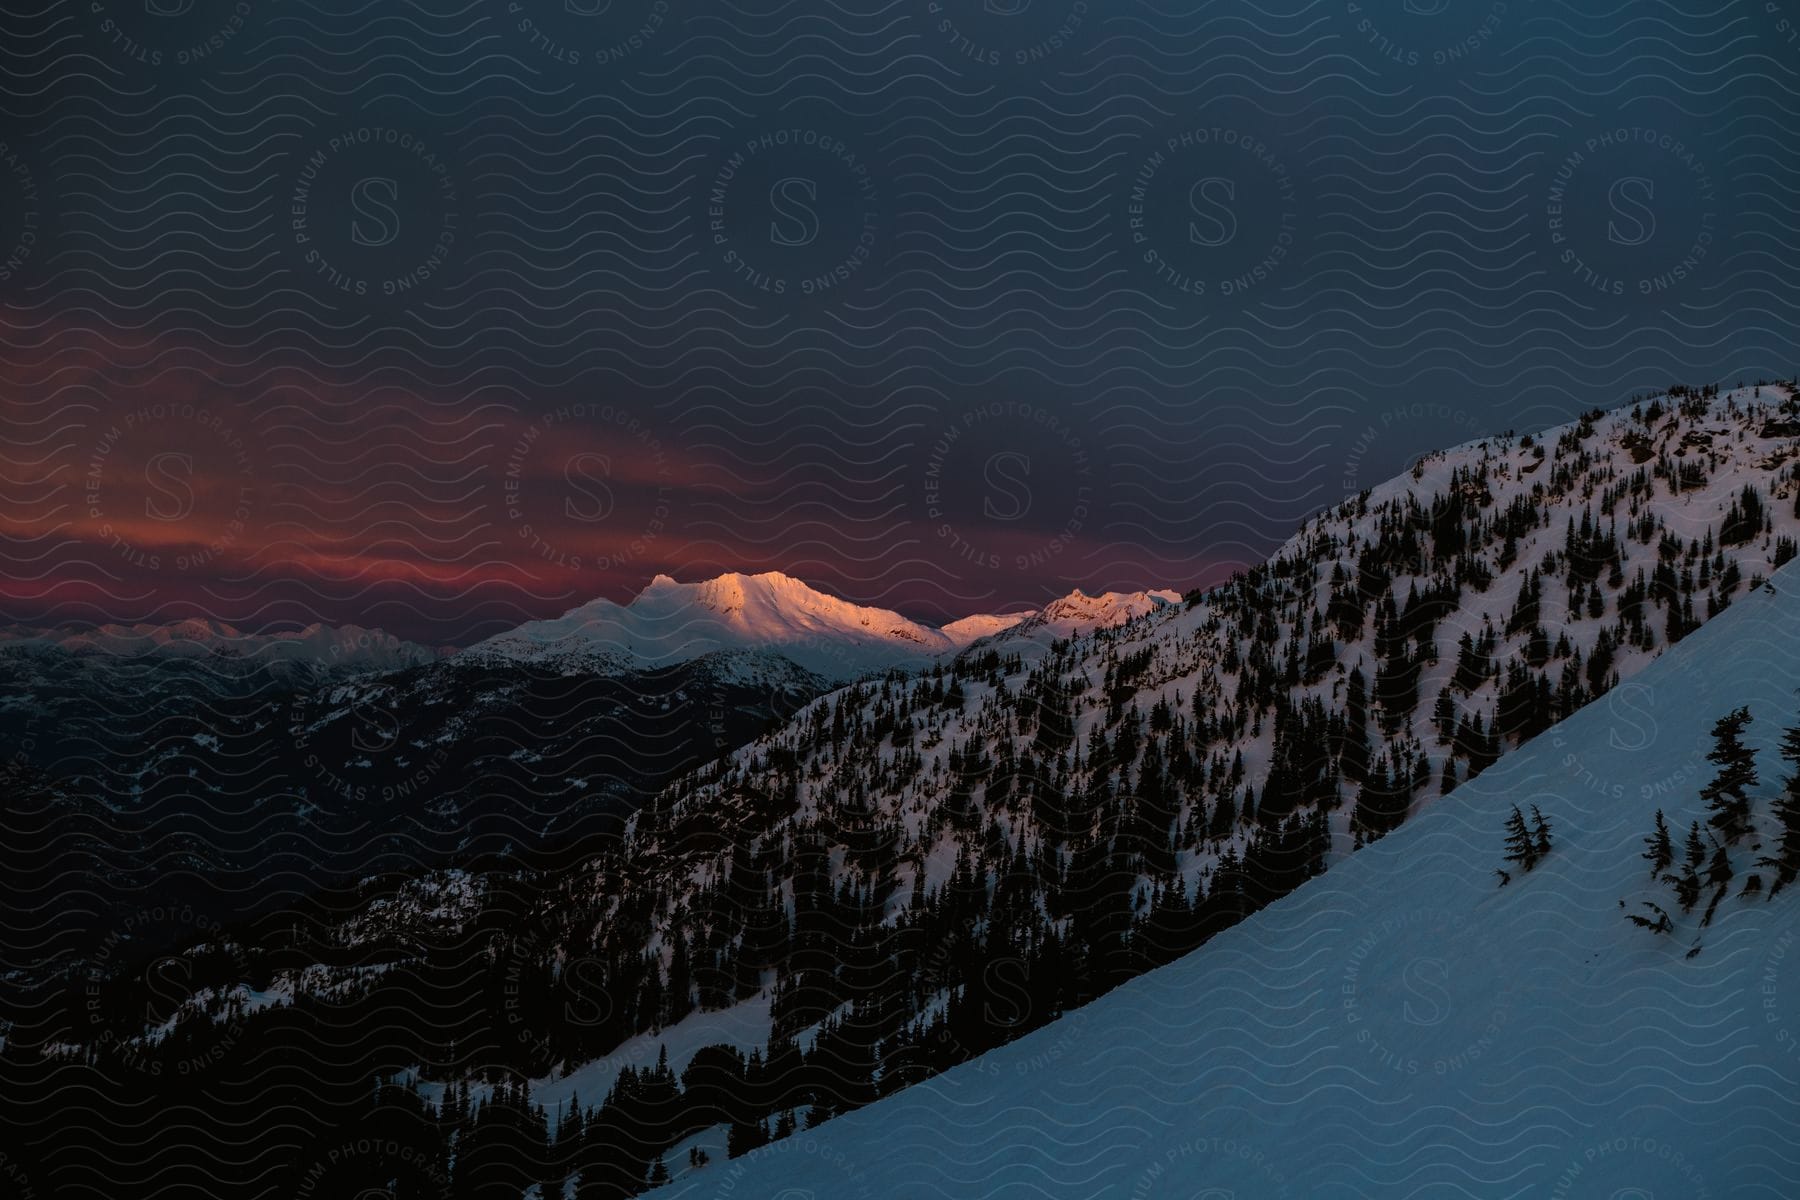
(1407, 1028)
(1077, 614)
(1202, 659)
(672, 622)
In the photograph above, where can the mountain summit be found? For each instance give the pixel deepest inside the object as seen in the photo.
(670, 622)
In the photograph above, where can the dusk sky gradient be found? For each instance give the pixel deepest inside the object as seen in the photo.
(947, 308)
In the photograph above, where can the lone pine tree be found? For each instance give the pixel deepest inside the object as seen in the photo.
(1726, 796)
(1658, 851)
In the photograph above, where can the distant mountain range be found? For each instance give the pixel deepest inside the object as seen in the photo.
(994, 826)
(665, 624)
(235, 768)
(835, 639)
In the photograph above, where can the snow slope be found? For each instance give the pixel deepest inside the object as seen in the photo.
(1405, 1027)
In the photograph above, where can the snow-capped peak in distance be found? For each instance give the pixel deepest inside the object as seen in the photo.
(670, 622)
(328, 646)
(1078, 612)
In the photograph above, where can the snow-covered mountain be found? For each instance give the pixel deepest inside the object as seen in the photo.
(833, 638)
(1056, 830)
(1407, 1027)
(1074, 615)
(916, 869)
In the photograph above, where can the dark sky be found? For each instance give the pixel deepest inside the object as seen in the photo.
(439, 316)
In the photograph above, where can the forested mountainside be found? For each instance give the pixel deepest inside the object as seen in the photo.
(1414, 1026)
(918, 868)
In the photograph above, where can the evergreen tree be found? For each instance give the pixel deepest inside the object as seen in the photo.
(1719, 871)
(1658, 851)
(1540, 833)
(1726, 796)
(1695, 849)
(1687, 883)
(1786, 859)
(1521, 846)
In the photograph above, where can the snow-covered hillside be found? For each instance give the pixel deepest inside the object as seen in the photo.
(1406, 1027)
(1394, 647)
(924, 866)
